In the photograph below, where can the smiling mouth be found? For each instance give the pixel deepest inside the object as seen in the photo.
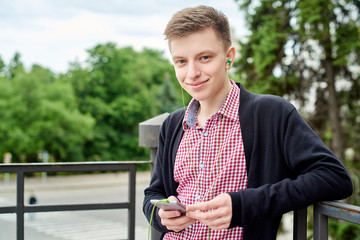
(197, 84)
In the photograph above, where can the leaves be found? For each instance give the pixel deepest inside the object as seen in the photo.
(92, 112)
(298, 48)
(39, 113)
(121, 88)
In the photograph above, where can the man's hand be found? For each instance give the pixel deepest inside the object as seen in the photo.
(173, 220)
(216, 213)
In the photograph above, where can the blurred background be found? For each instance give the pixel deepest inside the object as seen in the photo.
(77, 77)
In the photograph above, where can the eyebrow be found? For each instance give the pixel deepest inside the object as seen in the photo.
(203, 52)
(207, 51)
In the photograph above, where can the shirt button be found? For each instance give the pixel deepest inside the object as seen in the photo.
(205, 134)
(190, 227)
(202, 165)
(198, 197)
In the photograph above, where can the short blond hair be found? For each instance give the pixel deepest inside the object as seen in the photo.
(191, 20)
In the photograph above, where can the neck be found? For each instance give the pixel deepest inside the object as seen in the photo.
(209, 108)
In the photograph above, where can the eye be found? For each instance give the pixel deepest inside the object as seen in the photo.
(205, 58)
(179, 62)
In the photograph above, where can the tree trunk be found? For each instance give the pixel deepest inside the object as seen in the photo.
(337, 140)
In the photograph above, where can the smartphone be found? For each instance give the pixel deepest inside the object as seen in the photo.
(168, 206)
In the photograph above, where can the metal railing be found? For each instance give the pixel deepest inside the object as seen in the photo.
(20, 209)
(342, 211)
(322, 211)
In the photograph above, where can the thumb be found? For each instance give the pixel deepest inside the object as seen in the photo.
(173, 198)
(204, 206)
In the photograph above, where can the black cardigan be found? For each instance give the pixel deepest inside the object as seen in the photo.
(288, 166)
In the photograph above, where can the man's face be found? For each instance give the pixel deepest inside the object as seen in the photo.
(200, 62)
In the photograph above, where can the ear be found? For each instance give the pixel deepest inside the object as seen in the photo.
(231, 55)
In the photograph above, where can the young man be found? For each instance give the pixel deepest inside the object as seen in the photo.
(235, 159)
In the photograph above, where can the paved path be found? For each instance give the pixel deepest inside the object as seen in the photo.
(75, 226)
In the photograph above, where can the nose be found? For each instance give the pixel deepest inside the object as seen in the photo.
(193, 70)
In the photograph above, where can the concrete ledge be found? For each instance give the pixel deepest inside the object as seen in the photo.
(149, 131)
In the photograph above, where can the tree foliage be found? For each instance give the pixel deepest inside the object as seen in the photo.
(120, 88)
(39, 113)
(301, 49)
(309, 52)
(92, 112)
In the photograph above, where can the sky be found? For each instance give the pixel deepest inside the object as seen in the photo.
(54, 33)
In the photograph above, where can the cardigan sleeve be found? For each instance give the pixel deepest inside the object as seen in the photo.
(162, 184)
(290, 167)
(156, 189)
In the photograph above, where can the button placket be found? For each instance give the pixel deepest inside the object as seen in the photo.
(201, 163)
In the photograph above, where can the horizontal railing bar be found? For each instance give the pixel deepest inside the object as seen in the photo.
(341, 211)
(344, 206)
(69, 166)
(7, 210)
(67, 207)
(75, 207)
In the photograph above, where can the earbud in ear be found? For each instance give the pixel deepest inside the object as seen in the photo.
(229, 61)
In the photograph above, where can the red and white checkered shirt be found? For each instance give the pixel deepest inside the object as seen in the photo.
(204, 175)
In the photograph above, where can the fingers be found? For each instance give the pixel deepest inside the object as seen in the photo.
(173, 220)
(216, 213)
(218, 225)
(204, 206)
(169, 214)
(216, 219)
(223, 199)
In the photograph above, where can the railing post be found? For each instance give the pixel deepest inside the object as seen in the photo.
(300, 224)
(20, 206)
(149, 137)
(320, 224)
(132, 201)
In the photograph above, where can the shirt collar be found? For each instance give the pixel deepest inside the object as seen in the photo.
(229, 109)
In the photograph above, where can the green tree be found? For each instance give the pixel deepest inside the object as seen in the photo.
(2, 66)
(298, 48)
(39, 113)
(15, 66)
(120, 88)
